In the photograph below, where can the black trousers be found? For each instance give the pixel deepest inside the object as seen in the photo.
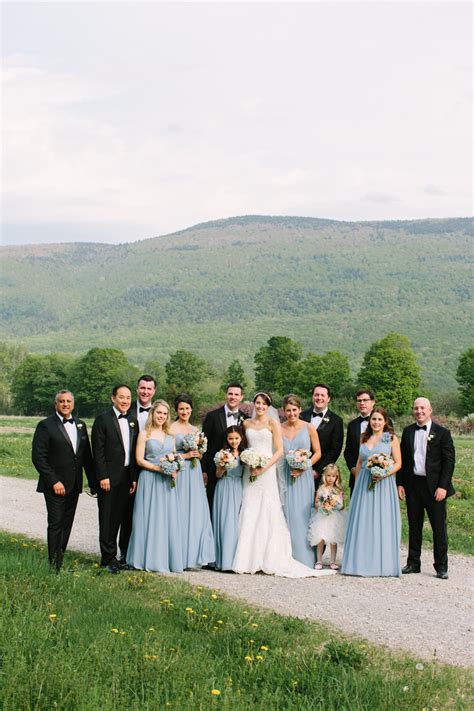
(61, 511)
(112, 505)
(126, 526)
(419, 499)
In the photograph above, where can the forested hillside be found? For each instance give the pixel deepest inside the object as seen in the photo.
(222, 288)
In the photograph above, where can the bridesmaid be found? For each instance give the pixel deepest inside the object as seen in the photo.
(196, 529)
(228, 500)
(372, 541)
(155, 543)
(298, 498)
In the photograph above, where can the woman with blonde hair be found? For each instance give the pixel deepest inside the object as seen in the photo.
(155, 543)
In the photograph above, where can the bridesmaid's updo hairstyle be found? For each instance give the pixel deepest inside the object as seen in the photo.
(149, 425)
(266, 397)
(291, 400)
(386, 428)
(183, 397)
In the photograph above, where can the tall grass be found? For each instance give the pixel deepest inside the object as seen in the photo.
(87, 640)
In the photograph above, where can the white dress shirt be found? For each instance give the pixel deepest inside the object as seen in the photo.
(125, 430)
(421, 443)
(316, 421)
(71, 431)
(231, 419)
(142, 417)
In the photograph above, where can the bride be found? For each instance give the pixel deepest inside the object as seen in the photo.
(264, 539)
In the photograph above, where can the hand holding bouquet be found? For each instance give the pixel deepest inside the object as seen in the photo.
(255, 460)
(298, 460)
(195, 442)
(225, 459)
(380, 466)
(171, 464)
(329, 501)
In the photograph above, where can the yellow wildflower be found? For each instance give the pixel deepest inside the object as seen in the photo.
(215, 692)
(213, 596)
(254, 625)
(220, 622)
(114, 630)
(259, 657)
(248, 658)
(52, 617)
(264, 648)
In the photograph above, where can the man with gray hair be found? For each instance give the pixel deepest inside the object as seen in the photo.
(428, 459)
(60, 451)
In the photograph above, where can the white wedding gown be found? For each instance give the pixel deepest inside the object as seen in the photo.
(264, 539)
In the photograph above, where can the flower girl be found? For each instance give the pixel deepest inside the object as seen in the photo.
(228, 497)
(328, 521)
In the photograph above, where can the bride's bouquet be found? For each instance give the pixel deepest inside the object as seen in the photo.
(195, 441)
(172, 464)
(254, 459)
(225, 459)
(380, 466)
(298, 459)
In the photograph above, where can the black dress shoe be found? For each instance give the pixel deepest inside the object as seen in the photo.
(442, 574)
(410, 569)
(112, 567)
(123, 565)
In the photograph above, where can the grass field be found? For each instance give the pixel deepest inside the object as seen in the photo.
(84, 640)
(15, 460)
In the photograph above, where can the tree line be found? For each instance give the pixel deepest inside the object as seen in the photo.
(28, 381)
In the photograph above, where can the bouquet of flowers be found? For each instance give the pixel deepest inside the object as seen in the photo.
(254, 459)
(298, 459)
(172, 464)
(328, 501)
(380, 466)
(225, 459)
(195, 441)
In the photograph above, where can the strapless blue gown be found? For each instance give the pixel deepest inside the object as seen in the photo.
(155, 543)
(298, 501)
(372, 541)
(225, 516)
(195, 519)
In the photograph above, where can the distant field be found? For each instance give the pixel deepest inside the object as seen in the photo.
(15, 461)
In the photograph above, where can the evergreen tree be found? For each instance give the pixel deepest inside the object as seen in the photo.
(465, 378)
(235, 374)
(276, 365)
(94, 376)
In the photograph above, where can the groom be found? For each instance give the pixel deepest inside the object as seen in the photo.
(214, 426)
(425, 481)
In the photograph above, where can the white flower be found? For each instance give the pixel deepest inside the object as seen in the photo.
(325, 419)
(79, 425)
(132, 424)
(419, 667)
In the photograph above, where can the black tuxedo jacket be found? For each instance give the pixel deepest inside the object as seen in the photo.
(440, 459)
(108, 448)
(55, 459)
(351, 450)
(331, 437)
(214, 427)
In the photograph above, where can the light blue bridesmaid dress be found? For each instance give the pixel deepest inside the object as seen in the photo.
(225, 516)
(155, 543)
(372, 541)
(195, 519)
(298, 501)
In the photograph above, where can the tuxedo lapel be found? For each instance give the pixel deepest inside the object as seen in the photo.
(411, 441)
(222, 419)
(62, 429)
(323, 424)
(117, 427)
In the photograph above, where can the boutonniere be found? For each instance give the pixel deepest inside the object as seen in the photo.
(325, 419)
(132, 424)
(79, 425)
(430, 437)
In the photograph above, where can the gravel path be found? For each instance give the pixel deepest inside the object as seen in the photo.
(419, 614)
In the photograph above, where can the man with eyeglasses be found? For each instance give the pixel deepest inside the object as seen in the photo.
(365, 402)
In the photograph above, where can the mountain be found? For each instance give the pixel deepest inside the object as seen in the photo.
(223, 288)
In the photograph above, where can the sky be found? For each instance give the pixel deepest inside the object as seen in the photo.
(126, 120)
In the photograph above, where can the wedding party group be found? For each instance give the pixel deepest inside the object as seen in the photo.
(249, 492)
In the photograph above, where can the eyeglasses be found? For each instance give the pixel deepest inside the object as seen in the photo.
(366, 399)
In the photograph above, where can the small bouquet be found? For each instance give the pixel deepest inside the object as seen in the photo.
(328, 501)
(380, 466)
(298, 459)
(195, 441)
(171, 464)
(225, 459)
(254, 459)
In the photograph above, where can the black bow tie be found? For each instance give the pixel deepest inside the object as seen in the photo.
(144, 409)
(317, 414)
(420, 427)
(122, 417)
(365, 419)
(66, 422)
(232, 414)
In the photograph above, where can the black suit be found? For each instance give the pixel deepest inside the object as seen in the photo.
(109, 458)
(351, 450)
(214, 427)
(331, 437)
(420, 490)
(56, 461)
